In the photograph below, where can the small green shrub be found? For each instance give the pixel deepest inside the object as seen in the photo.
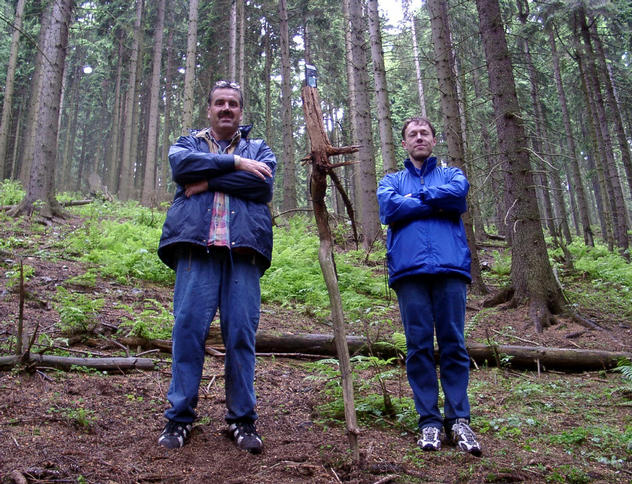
(77, 311)
(154, 321)
(79, 417)
(11, 192)
(13, 275)
(371, 408)
(87, 279)
(624, 366)
(502, 263)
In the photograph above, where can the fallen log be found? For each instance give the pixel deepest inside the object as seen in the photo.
(67, 362)
(72, 203)
(528, 357)
(565, 359)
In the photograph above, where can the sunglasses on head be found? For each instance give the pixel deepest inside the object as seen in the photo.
(232, 85)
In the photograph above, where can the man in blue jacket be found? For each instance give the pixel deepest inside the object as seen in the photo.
(429, 269)
(218, 239)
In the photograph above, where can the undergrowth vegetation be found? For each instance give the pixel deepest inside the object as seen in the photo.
(600, 279)
(295, 277)
(118, 242)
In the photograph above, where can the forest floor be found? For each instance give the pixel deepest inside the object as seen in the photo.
(96, 427)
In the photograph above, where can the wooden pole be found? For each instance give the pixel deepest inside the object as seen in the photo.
(319, 157)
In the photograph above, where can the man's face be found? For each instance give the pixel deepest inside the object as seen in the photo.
(418, 141)
(224, 112)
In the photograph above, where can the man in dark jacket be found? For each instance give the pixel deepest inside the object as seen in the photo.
(429, 269)
(218, 239)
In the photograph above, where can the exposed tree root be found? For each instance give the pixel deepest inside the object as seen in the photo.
(542, 313)
(500, 297)
(48, 211)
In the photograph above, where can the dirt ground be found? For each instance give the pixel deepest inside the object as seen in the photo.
(84, 426)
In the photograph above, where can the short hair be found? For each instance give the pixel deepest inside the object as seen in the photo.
(418, 120)
(227, 85)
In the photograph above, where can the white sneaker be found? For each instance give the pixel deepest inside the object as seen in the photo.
(430, 438)
(463, 437)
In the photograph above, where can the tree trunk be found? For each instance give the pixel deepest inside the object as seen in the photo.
(381, 91)
(531, 272)
(139, 116)
(241, 72)
(366, 180)
(41, 186)
(149, 181)
(444, 61)
(267, 69)
(7, 105)
(289, 166)
(613, 105)
(166, 130)
(189, 73)
(493, 182)
(575, 178)
(126, 181)
(65, 178)
(619, 216)
(76, 186)
(232, 42)
(13, 174)
(596, 178)
(413, 33)
(352, 111)
(26, 152)
(112, 168)
(596, 151)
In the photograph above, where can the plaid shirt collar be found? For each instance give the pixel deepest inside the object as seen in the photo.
(208, 135)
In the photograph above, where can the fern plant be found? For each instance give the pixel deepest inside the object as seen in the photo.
(77, 312)
(154, 321)
(624, 366)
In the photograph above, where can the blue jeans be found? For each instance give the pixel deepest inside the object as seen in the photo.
(206, 281)
(430, 303)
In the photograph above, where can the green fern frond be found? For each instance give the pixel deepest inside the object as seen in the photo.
(399, 340)
(625, 367)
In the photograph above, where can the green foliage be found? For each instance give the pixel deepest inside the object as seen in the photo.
(371, 408)
(11, 192)
(569, 474)
(77, 311)
(13, 275)
(295, 276)
(153, 322)
(625, 367)
(78, 416)
(506, 427)
(399, 341)
(502, 263)
(601, 264)
(608, 273)
(12, 242)
(607, 439)
(121, 240)
(87, 279)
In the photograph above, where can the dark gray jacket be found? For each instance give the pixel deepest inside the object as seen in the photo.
(188, 219)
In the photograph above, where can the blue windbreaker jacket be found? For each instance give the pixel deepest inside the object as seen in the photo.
(188, 219)
(423, 213)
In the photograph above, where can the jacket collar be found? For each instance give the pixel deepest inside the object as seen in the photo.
(241, 133)
(426, 167)
(207, 135)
